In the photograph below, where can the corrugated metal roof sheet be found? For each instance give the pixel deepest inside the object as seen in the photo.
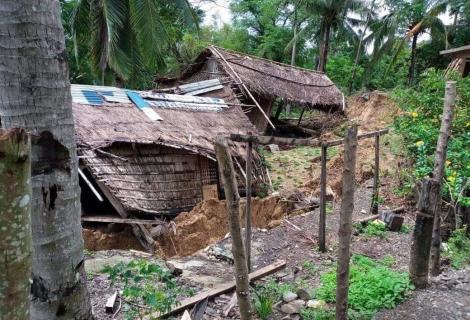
(97, 95)
(173, 101)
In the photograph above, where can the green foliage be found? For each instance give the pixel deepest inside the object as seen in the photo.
(147, 284)
(373, 286)
(275, 290)
(405, 228)
(458, 249)
(420, 123)
(263, 305)
(310, 267)
(374, 228)
(339, 69)
(312, 314)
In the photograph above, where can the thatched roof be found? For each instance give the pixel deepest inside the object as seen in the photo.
(269, 78)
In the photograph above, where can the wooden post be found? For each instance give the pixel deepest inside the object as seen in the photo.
(232, 197)
(249, 148)
(422, 233)
(15, 224)
(345, 223)
(322, 222)
(374, 208)
(301, 115)
(438, 172)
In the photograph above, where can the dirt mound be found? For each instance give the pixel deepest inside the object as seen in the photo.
(207, 223)
(372, 111)
(96, 240)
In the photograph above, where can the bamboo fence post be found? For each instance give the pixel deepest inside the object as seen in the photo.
(15, 224)
(374, 209)
(345, 224)
(249, 148)
(322, 220)
(438, 172)
(232, 197)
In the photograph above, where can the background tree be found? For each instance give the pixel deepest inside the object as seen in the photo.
(35, 93)
(129, 40)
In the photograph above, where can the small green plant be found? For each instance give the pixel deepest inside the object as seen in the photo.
(145, 284)
(458, 249)
(329, 208)
(313, 314)
(263, 305)
(405, 228)
(373, 285)
(376, 228)
(310, 267)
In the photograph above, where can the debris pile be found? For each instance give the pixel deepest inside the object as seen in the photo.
(207, 223)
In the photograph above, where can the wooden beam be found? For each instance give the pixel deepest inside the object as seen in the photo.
(244, 87)
(374, 208)
(265, 140)
(322, 222)
(108, 219)
(249, 147)
(90, 185)
(220, 289)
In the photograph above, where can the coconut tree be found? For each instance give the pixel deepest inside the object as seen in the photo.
(413, 18)
(129, 37)
(332, 15)
(35, 93)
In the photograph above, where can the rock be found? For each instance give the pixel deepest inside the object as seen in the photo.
(363, 211)
(316, 304)
(303, 294)
(289, 296)
(293, 306)
(274, 223)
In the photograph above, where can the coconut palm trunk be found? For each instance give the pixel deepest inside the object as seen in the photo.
(411, 70)
(35, 94)
(324, 48)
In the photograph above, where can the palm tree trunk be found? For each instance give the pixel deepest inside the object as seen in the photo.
(15, 222)
(359, 47)
(411, 70)
(324, 49)
(294, 44)
(35, 93)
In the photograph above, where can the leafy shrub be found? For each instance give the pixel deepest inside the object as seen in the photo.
(146, 284)
(312, 314)
(373, 285)
(458, 249)
(419, 125)
(376, 228)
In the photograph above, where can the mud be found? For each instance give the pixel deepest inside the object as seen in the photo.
(207, 223)
(97, 239)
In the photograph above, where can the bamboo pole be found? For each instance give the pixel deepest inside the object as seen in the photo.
(249, 148)
(15, 224)
(227, 173)
(244, 87)
(438, 172)
(345, 223)
(322, 220)
(374, 209)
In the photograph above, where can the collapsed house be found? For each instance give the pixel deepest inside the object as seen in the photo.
(145, 155)
(460, 60)
(264, 80)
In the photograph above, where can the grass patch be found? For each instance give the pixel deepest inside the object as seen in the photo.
(146, 284)
(457, 249)
(373, 286)
(312, 314)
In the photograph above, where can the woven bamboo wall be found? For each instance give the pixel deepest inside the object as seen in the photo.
(154, 179)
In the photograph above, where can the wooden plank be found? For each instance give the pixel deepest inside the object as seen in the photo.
(265, 140)
(249, 147)
(374, 209)
(109, 307)
(220, 289)
(90, 185)
(322, 222)
(108, 219)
